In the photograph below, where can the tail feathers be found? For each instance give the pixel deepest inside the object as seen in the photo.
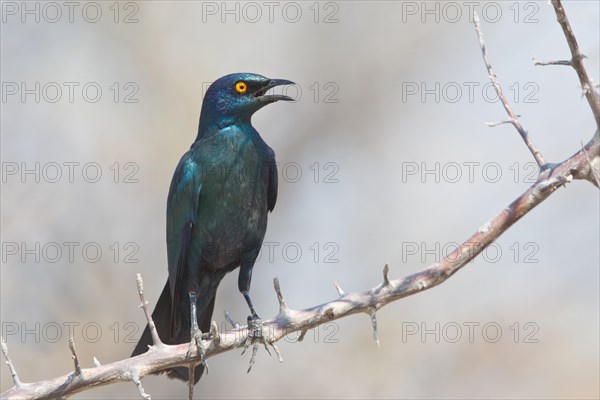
(162, 320)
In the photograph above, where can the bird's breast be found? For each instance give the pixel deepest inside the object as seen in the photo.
(232, 207)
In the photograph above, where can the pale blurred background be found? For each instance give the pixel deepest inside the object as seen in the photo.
(539, 285)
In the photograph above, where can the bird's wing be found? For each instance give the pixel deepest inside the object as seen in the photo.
(182, 211)
(273, 181)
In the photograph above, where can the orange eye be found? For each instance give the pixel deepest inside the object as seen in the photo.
(241, 87)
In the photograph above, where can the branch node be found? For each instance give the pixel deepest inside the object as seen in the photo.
(283, 309)
(74, 356)
(592, 175)
(96, 362)
(136, 379)
(373, 315)
(339, 289)
(485, 228)
(214, 332)
(329, 313)
(11, 367)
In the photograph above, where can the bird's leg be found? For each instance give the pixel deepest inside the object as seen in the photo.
(195, 336)
(249, 301)
(255, 334)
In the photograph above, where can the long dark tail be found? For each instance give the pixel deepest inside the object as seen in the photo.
(162, 319)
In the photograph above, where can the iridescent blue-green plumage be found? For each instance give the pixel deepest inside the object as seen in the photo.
(217, 207)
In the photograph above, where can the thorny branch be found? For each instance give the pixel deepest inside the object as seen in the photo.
(287, 321)
(582, 165)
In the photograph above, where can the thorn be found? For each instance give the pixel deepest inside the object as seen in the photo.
(339, 289)
(74, 356)
(11, 367)
(140, 286)
(276, 351)
(96, 362)
(372, 314)
(493, 124)
(136, 379)
(282, 306)
(386, 270)
(231, 321)
(302, 334)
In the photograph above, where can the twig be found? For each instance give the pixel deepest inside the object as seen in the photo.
(577, 61)
(11, 367)
(513, 118)
(568, 63)
(493, 124)
(144, 305)
(136, 379)
(283, 308)
(74, 355)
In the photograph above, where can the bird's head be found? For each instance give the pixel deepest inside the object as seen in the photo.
(235, 97)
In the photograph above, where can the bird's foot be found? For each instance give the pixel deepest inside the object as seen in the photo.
(255, 337)
(196, 341)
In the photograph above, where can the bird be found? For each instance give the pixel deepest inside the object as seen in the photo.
(220, 195)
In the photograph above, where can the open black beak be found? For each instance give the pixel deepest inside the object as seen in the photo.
(261, 95)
